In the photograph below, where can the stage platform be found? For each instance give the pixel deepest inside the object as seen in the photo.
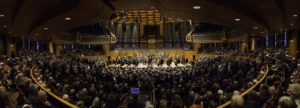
(153, 65)
(190, 54)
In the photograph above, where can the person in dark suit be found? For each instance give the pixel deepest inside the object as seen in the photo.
(135, 103)
(186, 61)
(161, 62)
(177, 61)
(169, 61)
(150, 58)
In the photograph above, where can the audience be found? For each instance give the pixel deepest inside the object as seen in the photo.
(80, 81)
(210, 82)
(135, 103)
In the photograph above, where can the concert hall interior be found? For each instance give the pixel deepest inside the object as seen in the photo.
(149, 54)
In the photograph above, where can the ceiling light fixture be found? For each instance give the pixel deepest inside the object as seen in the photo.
(4, 26)
(196, 7)
(291, 24)
(295, 15)
(255, 27)
(1, 15)
(237, 19)
(45, 28)
(68, 18)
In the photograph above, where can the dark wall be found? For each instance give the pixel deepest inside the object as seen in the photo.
(3, 48)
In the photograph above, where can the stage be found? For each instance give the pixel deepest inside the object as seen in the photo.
(141, 65)
(190, 54)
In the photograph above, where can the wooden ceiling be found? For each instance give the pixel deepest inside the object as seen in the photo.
(43, 19)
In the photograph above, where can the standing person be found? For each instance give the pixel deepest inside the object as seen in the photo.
(169, 61)
(197, 103)
(177, 102)
(161, 62)
(294, 92)
(3, 97)
(286, 102)
(177, 61)
(135, 103)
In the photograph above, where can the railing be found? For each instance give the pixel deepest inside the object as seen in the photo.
(64, 38)
(113, 38)
(211, 36)
(235, 34)
(98, 39)
(226, 104)
(189, 36)
(54, 99)
(84, 39)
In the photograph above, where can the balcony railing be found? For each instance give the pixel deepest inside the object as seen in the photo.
(84, 39)
(208, 38)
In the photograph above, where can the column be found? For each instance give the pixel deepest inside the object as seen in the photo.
(11, 46)
(244, 43)
(50, 47)
(58, 49)
(161, 29)
(106, 48)
(292, 48)
(252, 44)
(243, 46)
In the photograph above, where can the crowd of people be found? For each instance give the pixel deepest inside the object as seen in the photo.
(84, 52)
(150, 59)
(81, 81)
(208, 83)
(17, 90)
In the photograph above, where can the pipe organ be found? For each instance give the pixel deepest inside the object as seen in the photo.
(147, 29)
